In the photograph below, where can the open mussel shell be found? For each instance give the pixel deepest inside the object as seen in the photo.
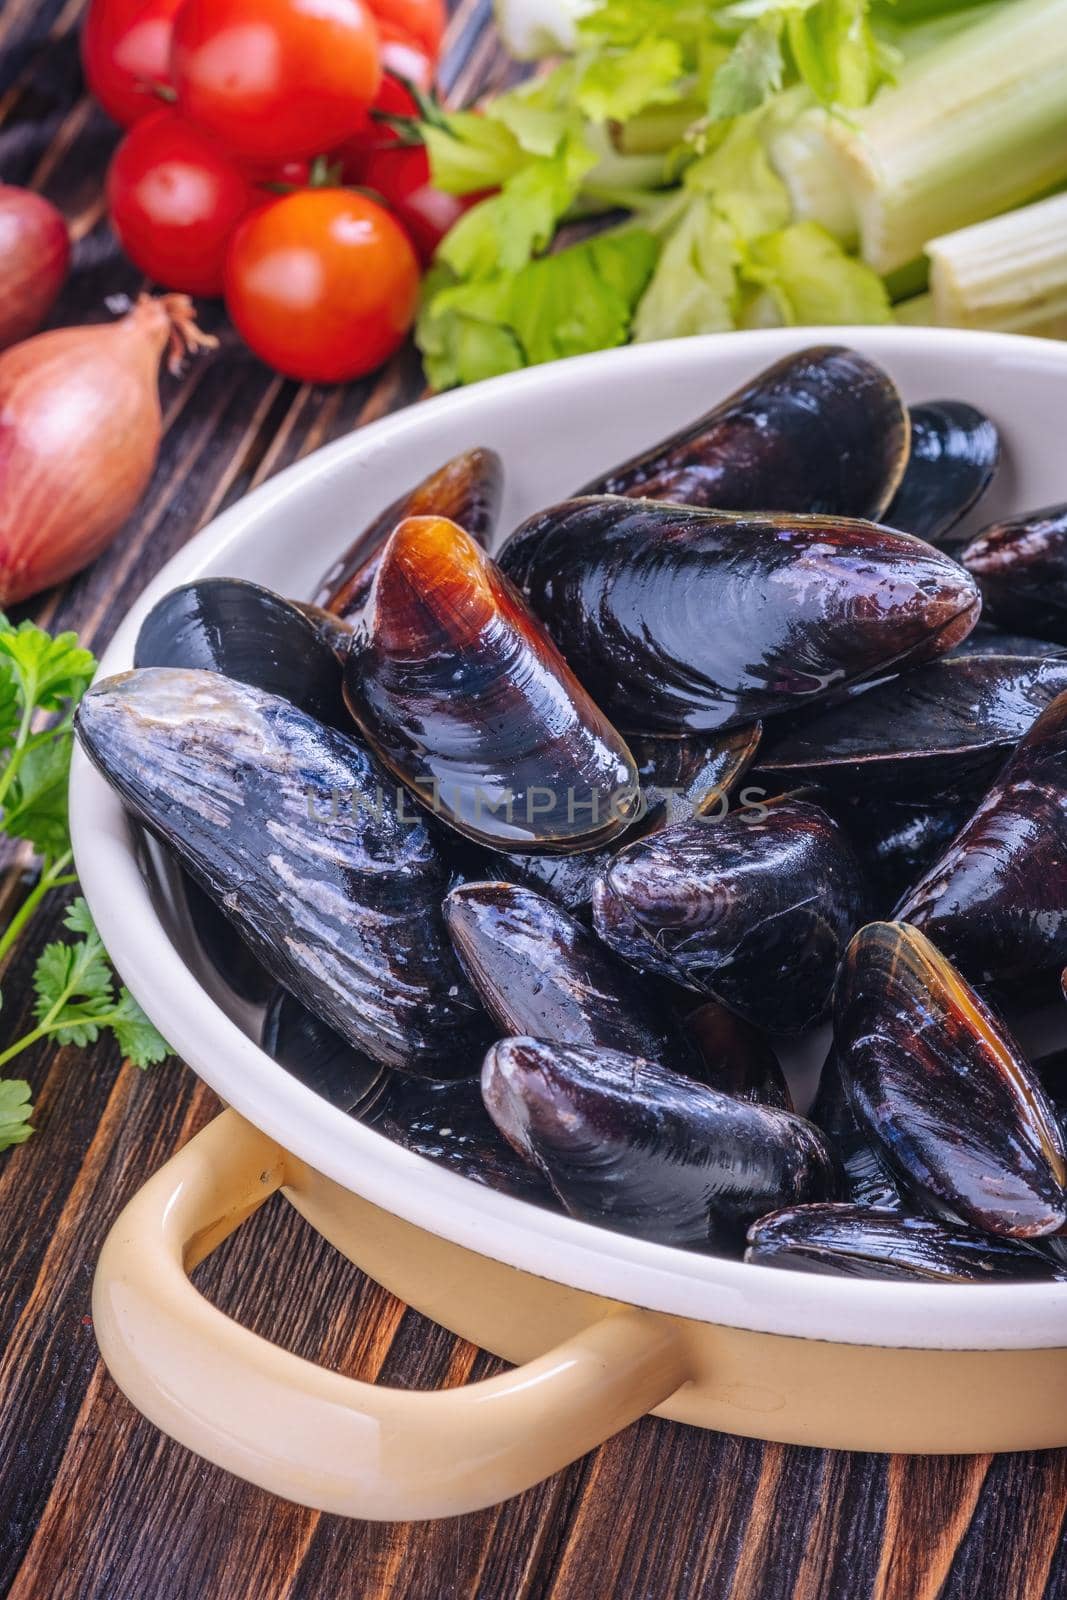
(824, 430)
(934, 1077)
(996, 901)
(738, 1059)
(1021, 567)
(632, 1146)
(539, 971)
(754, 909)
(854, 1241)
(868, 1179)
(955, 450)
(466, 490)
(463, 694)
(319, 1057)
(933, 727)
(291, 828)
(249, 633)
(447, 1123)
(680, 620)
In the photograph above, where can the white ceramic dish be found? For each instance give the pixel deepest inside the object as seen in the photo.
(555, 427)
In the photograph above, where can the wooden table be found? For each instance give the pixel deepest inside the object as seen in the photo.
(94, 1503)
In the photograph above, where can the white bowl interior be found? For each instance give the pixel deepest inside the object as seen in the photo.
(555, 427)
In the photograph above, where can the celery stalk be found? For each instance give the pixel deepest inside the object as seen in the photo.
(805, 161)
(973, 127)
(1009, 273)
(917, 312)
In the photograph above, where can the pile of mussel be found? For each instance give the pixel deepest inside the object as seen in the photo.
(536, 858)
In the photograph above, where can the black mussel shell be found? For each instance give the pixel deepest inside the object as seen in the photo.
(955, 450)
(754, 910)
(935, 726)
(465, 697)
(897, 837)
(855, 1241)
(466, 489)
(292, 829)
(738, 1060)
(933, 1076)
(538, 971)
(248, 633)
(318, 1056)
(680, 620)
(226, 953)
(824, 430)
(989, 640)
(449, 1125)
(868, 1179)
(632, 1146)
(996, 901)
(1021, 568)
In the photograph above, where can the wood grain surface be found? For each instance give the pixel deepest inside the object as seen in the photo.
(94, 1503)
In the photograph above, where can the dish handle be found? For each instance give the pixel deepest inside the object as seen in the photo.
(318, 1437)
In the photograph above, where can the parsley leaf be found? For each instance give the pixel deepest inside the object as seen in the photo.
(15, 1112)
(36, 807)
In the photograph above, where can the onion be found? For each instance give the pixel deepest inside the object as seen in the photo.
(80, 426)
(34, 258)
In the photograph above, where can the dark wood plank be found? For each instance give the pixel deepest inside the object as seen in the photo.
(94, 1504)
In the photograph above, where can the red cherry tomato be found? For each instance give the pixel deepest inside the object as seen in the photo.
(126, 52)
(322, 284)
(401, 175)
(175, 199)
(422, 21)
(276, 79)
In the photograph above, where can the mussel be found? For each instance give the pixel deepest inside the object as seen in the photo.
(754, 909)
(1021, 567)
(868, 1179)
(448, 1124)
(989, 640)
(465, 697)
(931, 728)
(248, 633)
(632, 1146)
(996, 901)
(936, 1080)
(319, 1057)
(680, 620)
(737, 1057)
(898, 837)
(336, 631)
(824, 430)
(955, 450)
(466, 490)
(854, 1241)
(538, 971)
(292, 829)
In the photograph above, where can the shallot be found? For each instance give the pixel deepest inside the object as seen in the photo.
(34, 260)
(80, 426)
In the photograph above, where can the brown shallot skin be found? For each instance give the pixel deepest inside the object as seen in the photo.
(1021, 566)
(630, 1145)
(464, 696)
(466, 490)
(859, 1241)
(996, 901)
(680, 620)
(34, 261)
(936, 1080)
(80, 426)
(824, 431)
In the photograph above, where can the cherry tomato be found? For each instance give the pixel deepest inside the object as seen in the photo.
(401, 175)
(175, 199)
(322, 284)
(421, 21)
(125, 52)
(276, 79)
